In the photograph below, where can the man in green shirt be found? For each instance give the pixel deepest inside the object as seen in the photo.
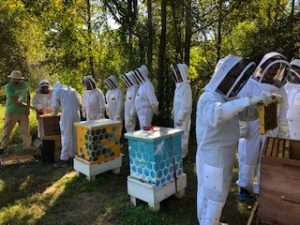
(17, 109)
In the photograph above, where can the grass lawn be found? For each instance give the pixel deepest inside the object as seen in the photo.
(37, 193)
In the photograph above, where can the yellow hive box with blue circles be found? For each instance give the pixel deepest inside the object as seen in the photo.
(98, 141)
(155, 156)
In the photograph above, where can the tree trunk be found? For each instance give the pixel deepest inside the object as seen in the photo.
(90, 34)
(162, 59)
(130, 24)
(219, 34)
(150, 35)
(177, 33)
(188, 31)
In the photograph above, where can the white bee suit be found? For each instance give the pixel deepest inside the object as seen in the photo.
(42, 101)
(69, 101)
(114, 101)
(293, 113)
(249, 148)
(182, 106)
(130, 113)
(93, 104)
(93, 101)
(217, 130)
(145, 101)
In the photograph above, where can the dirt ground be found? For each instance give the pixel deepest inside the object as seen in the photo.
(37, 193)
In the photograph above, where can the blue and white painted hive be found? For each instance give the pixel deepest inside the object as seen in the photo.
(155, 156)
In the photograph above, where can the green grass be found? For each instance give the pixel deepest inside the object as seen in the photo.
(37, 193)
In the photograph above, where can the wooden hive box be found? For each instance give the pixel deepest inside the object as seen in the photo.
(155, 156)
(48, 125)
(279, 200)
(267, 117)
(98, 141)
(57, 145)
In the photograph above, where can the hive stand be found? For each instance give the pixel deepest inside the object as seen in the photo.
(92, 170)
(148, 192)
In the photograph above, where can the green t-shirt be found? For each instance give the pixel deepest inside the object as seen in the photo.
(21, 91)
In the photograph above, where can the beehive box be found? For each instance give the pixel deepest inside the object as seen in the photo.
(98, 141)
(57, 145)
(267, 117)
(279, 200)
(48, 125)
(155, 156)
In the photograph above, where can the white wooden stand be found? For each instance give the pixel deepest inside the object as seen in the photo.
(91, 170)
(153, 195)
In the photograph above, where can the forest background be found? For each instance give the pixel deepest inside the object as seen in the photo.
(68, 39)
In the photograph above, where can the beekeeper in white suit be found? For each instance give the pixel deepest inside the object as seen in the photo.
(93, 102)
(68, 101)
(42, 99)
(267, 79)
(114, 101)
(182, 104)
(217, 130)
(292, 88)
(130, 113)
(145, 103)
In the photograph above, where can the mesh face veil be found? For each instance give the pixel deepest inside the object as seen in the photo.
(111, 82)
(236, 77)
(247, 71)
(277, 75)
(89, 82)
(127, 81)
(138, 77)
(176, 74)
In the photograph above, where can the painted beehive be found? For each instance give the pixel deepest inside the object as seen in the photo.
(155, 156)
(99, 140)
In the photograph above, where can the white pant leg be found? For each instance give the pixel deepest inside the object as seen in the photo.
(248, 152)
(214, 172)
(130, 124)
(66, 127)
(294, 129)
(201, 201)
(186, 124)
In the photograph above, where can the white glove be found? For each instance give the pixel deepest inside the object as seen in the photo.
(276, 98)
(254, 100)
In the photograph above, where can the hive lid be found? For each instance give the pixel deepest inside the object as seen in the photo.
(96, 123)
(157, 132)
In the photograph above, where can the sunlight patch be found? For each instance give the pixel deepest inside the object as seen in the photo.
(30, 209)
(2, 185)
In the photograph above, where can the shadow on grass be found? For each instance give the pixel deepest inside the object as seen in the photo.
(42, 194)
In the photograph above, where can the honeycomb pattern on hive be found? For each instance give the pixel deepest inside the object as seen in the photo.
(156, 162)
(98, 144)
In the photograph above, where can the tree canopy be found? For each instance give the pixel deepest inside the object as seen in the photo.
(68, 39)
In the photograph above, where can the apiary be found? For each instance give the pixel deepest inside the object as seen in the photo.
(267, 117)
(279, 200)
(98, 146)
(48, 125)
(156, 168)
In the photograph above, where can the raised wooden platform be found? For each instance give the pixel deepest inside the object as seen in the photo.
(148, 192)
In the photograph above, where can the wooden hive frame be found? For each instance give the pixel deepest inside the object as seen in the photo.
(267, 117)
